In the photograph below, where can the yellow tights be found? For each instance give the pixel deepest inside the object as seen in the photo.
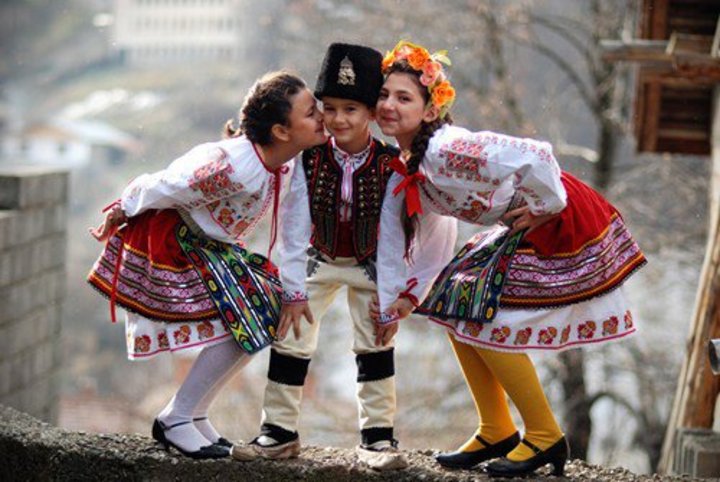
(489, 375)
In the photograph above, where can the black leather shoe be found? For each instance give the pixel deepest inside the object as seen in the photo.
(556, 455)
(467, 460)
(222, 441)
(213, 451)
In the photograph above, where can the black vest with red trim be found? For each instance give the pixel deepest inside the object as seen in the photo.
(324, 181)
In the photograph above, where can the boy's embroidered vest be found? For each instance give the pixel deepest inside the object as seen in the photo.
(324, 177)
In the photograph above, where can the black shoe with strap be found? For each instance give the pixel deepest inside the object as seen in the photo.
(207, 452)
(557, 454)
(469, 459)
(222, 441)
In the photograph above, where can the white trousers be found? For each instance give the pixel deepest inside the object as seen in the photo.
(290, 357)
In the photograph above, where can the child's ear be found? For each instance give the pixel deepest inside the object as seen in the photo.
(280, 132)
(431, 113)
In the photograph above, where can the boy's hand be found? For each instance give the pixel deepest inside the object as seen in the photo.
(290, 315)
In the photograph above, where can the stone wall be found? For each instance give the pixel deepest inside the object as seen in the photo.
(33, 213)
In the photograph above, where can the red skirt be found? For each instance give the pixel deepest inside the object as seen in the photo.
(582, 253)
(152, 277)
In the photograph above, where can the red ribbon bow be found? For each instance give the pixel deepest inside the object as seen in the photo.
(410, 185)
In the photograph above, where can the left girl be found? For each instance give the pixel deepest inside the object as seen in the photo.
(164, 265)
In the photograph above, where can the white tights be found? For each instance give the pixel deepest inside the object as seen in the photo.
(214, 366)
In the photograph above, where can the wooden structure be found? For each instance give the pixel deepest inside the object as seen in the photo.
(677, 49)
(677, 110)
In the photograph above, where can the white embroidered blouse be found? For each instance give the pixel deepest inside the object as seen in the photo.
(296, 222)
(224, 186)
(471, 176)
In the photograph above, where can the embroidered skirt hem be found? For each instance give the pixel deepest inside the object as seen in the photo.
(146, 338)
(597, 321)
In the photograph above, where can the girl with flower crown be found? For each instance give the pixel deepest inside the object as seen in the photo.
(545, 274)
(174, 260)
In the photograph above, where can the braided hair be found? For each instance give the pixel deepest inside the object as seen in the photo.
(268, 102)
(417, 149)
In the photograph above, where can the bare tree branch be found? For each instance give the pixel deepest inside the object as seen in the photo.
(584, 92)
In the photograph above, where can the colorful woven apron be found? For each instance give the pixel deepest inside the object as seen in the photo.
(470, 286)
(244, 286)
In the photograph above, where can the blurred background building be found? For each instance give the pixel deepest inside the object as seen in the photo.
(165, 31)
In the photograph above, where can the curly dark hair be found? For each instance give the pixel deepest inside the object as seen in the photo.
(418, 147)
(268, 102)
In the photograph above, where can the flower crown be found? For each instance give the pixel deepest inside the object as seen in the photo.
(442, 93)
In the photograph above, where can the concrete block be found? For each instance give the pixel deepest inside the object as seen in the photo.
(707, 458)
(5, 384)
(7, 267)
(689, 442)
(55, 218)
(39, 222)
(43, 359)
(678, 456)
(13, 400)
(24, 333)
(30, 186)
(6, 339)
(53, 251)
(9, 192)
(56, 319)
(7, 227)
(21, 371)
(57, 285)
(27, 400)
(18, 299)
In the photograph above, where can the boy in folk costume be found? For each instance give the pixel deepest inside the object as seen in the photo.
(329, 236)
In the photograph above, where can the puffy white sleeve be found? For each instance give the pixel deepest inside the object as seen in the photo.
(204, 174)
(482, 161)
(433, 248)
(391, 268)
(295, 232)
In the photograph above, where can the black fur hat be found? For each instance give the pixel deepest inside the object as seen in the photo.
(350, 72)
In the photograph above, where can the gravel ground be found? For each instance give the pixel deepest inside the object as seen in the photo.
(33, 450)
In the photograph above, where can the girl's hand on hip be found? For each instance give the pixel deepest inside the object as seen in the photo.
(522, 218)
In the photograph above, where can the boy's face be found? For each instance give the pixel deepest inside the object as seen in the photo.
(348, 121)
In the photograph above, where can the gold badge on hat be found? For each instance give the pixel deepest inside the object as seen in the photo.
(346, 74)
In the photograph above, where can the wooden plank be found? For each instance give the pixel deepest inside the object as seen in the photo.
(683, 76)
(682, 146)
(651, 117)
(658, 20)
(634, 50)
(688, 43)
(697, 388)
(684, 134)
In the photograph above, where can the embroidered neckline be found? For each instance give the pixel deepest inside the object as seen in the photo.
(356, 159)
(262, 161)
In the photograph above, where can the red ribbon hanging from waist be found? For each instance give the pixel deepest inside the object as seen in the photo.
(409, 184)
(277, 185)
